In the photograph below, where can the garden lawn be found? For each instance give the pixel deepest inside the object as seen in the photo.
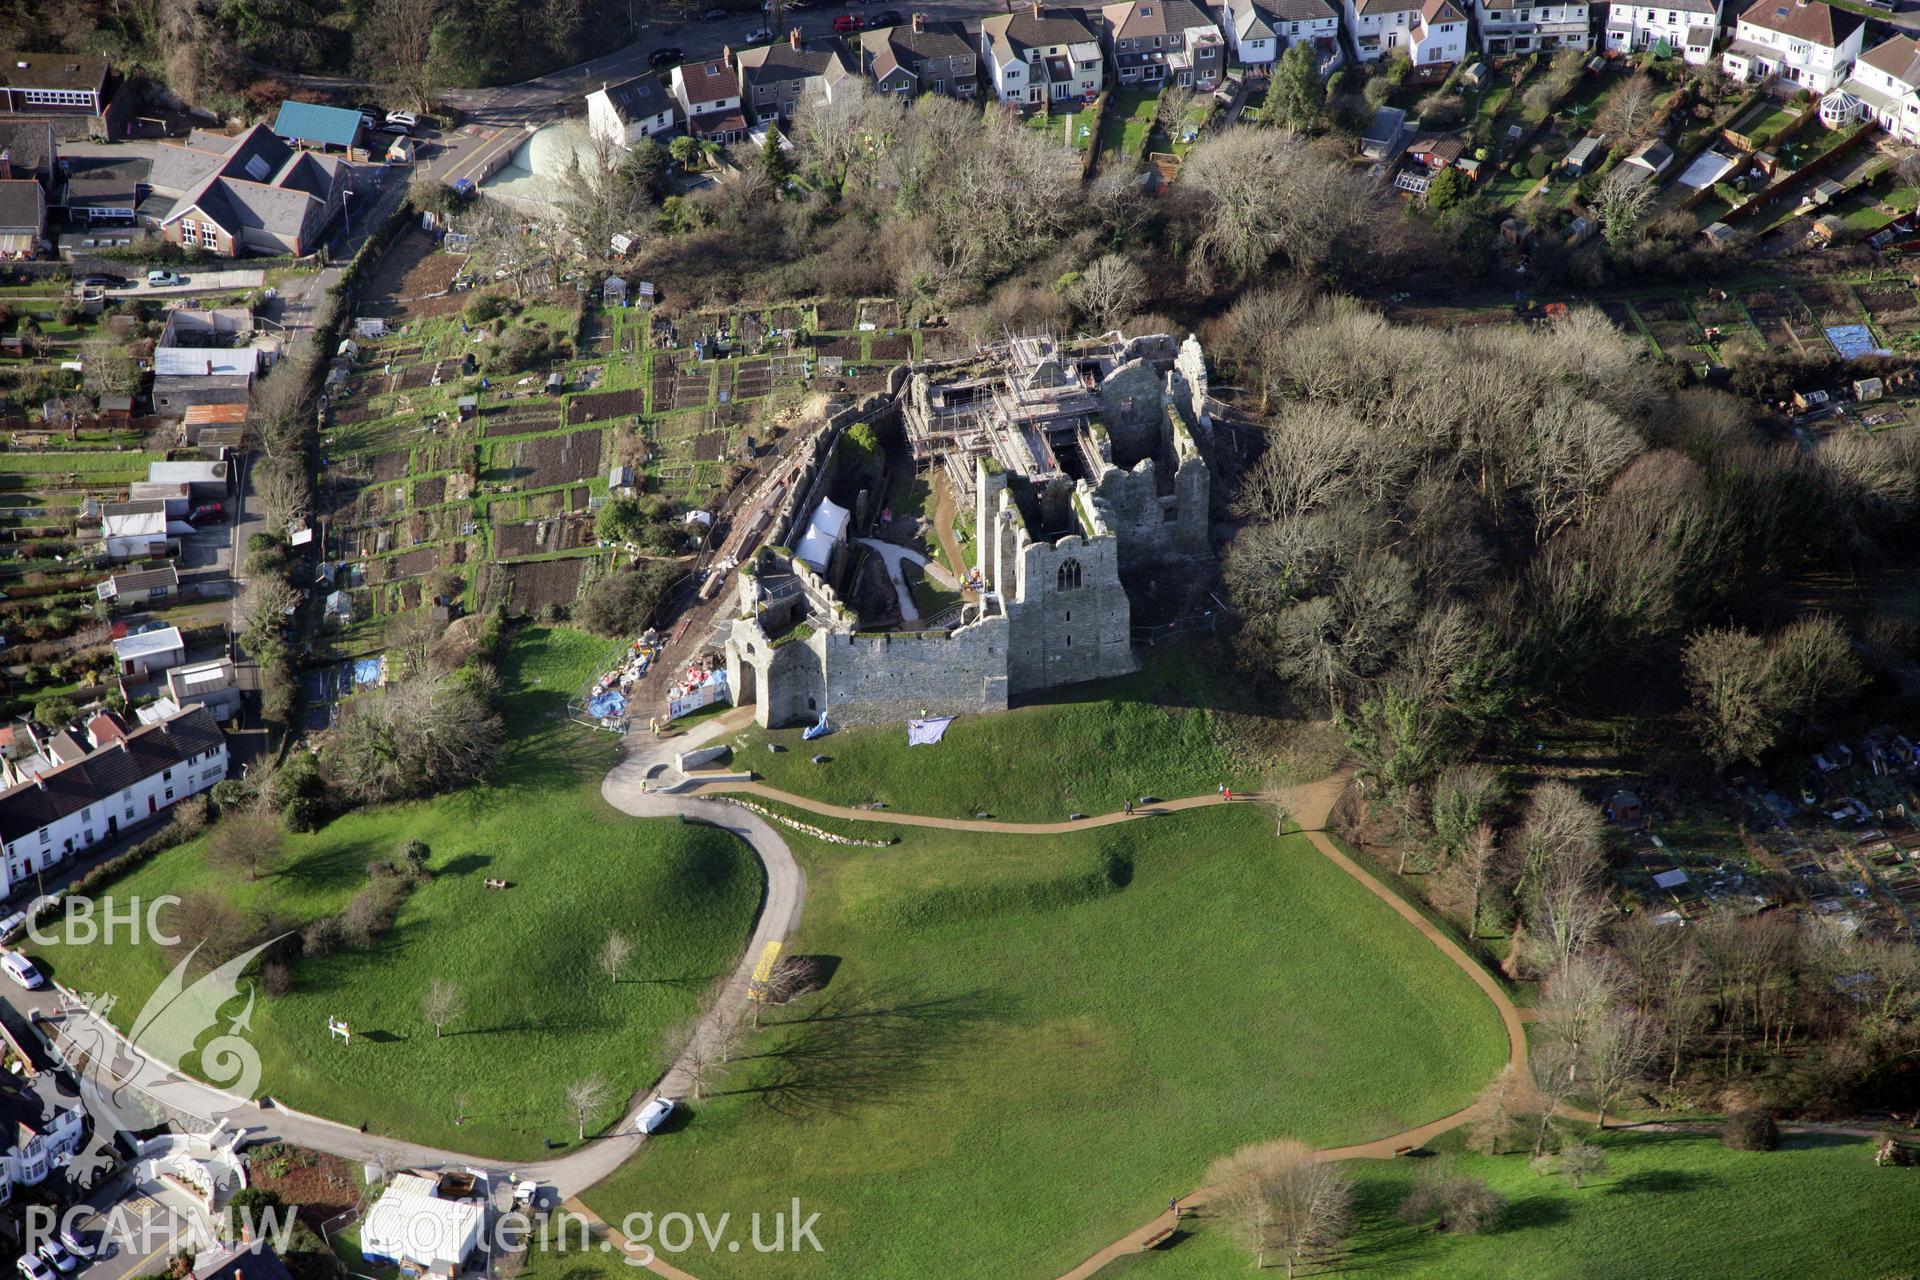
(1027, 1045)
(1162, 732)
(539, 1014)
(1668, 1207)
(1124, 129)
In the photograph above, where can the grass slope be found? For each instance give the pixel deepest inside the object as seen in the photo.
(1029, 1044)
(1669, 1207)
(540, 1014)
(1167, 731)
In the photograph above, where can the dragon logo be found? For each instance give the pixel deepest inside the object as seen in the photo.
(119, 1076)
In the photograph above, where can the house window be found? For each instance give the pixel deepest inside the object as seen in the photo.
(1068, 579)
(169, 793)
(167, 776)
(46, 837)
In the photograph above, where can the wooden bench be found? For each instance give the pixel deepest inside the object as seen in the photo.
(1158, 1238)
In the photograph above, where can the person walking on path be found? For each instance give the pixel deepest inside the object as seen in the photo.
(1127, 808)
(1226, 792)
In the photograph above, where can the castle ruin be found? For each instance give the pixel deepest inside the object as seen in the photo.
(1084, 467)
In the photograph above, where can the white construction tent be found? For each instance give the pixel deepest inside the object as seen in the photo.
(412, 1228)
(825, 529)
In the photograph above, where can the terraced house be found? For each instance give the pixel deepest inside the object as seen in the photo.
(921, 57)
(1515, 27)
(1804, 42)
(1158, 42)
(1040, 55)
(1259, 31)
(777, 79)
(1686, 27)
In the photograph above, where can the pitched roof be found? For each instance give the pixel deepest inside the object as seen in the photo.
(638, 98)
(1299, 10)
(313, 122)
(94, 777)
(1153, 18)
(1011, 34)
(1809, 20)
(1435, 11)
(1898, 57)
(52, 71)
(887, 48)
(143, 580)
(1385, 6)
(109, 183)
(707, 82)
(775, 63)
(252, 181)
(29, 145)
(23, 206)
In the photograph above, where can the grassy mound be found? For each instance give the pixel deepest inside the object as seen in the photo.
(1000, 1086)
(539, 1012)
(1669, 1207)
(1171, 730)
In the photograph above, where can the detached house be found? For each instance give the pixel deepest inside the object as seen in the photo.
(1686, 26)
(1157, 42)
(1259, 31)
(1041, 55)
(708, 95)
(1381, 28)
(81, 801)
(623, 114)
(1885, 86)
(776, 79)
(252, 193)
(922, 57)
(1804, 42)
(1513, 27)
(1440, 37)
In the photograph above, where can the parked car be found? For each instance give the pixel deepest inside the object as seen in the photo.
(655, 1114)
(668, 57)
(848, 22)
(59, 1257)
(33, 1268)
(77, 1242)
(889, 18)
(760, 35)
(208, 513)
(12, 922)
(402, 122)
(103, 281)
(714, 15)
(161, 279)
(22, 971)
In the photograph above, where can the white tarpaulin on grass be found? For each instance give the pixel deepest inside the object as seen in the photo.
(924, 733)
(1707, 168)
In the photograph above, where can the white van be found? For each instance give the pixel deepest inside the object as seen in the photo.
(21, 970)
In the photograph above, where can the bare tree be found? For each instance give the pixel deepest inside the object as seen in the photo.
(284, 492)
(400, 35)
(1285, 1200)
(1617, 1054)
(441, 1004)
(1730, 683)
(110, 368)
(584, 1098)
(1109, 290)
(1261, 192)
(1622, 198)
(246, 840)
(1554, 1081)
(1456, 1203)
(1628, 111)
(693, 1053)
(1580, 1161)
(1476, 866)
(265, 602)
(1501, 1114)
(614, 954)
(597, 196)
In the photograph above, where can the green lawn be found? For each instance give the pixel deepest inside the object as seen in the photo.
(1668, 1207)
(1029, 1044)
(1123, 132)
(540, 1014)
(1161, 732)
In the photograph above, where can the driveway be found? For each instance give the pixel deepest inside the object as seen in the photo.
(194, 282)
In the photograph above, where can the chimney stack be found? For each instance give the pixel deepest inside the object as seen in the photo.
(6, 164)
(793, 37)
(919, 22)
(726, 55)
(1036, 8)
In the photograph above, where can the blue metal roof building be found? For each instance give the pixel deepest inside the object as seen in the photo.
(312, 125)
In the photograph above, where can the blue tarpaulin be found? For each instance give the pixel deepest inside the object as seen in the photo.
(369, 673)
(818, 730)
(605, 705)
